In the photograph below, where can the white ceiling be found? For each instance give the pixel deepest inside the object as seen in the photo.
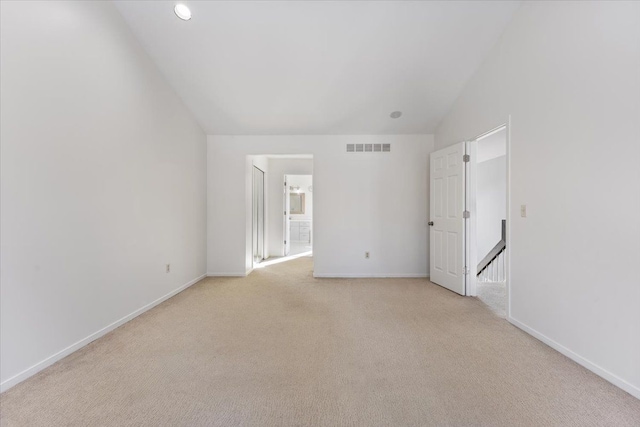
(318, 67)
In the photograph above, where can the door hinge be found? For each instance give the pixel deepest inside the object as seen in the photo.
(466, 158)
(465, 271)
(466, 214)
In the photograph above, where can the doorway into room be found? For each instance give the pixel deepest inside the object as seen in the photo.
(279, 208)
(469, 237)
(491, 219)
(298, 215)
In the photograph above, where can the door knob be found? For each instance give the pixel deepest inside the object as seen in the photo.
(431, 223)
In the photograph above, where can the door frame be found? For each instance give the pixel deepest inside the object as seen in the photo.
(470, 224)
(254, 234)
(286, 227)
(471, 229)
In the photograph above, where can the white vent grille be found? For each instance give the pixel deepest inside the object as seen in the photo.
(368, 148)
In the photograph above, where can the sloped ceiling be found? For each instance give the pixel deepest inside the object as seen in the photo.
(318, 67)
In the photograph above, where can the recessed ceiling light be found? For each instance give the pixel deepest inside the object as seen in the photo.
(395, 114)
(182, 12)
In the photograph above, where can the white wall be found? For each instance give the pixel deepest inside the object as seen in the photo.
(103, 181)
(304, 182)
(373, 202)
(567, 73)
(280, 167)
(491, 199)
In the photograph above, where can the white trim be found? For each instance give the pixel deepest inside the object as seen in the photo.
(491, 132)
(507, 254)
(216, 274)
(471, 229)
(7, 384)
(369, 276)
(612, 378)
(473, 202)
(264, 204)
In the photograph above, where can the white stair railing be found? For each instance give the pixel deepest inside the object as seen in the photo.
(495, 270)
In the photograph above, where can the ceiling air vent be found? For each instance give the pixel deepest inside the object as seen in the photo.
(368, 148)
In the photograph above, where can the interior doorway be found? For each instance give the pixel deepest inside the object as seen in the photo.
(298, 215)
(491, 219)
(274, 182)
(258, 215)
(468, 218)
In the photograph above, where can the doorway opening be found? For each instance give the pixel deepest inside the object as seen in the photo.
(469, 218)
(298, 215)
(279, 208)
(491, 218)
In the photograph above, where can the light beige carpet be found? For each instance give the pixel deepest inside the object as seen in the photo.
(280, 348)
(494, 295)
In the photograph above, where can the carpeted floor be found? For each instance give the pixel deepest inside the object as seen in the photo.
(280, 348)
(494, 295)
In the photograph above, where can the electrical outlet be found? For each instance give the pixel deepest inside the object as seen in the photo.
(168, 268)
(523, 211)
(366, 255)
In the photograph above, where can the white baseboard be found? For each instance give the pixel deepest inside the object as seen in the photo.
(7, 384)
(216, 274)
(612, 378)
(367, 276)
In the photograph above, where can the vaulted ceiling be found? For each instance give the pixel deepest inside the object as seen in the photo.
(318, 67)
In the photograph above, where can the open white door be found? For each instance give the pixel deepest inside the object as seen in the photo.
(447, 218)
(286, 223)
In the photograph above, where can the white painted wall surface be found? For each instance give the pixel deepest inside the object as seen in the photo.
(492, 146)
(103, 181)
(491, 202)
(278, 169)
(567, 73)
(373, 202)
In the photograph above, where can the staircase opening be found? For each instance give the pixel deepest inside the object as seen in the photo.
(491, 205)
